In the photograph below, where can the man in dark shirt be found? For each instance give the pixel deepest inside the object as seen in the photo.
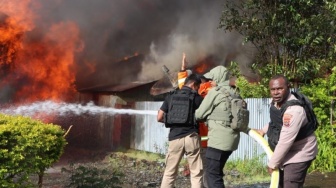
(183, 139)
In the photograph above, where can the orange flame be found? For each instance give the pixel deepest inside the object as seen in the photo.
(43, 63)
(201, 68)
(204, 65)
(15, 19)
(19, 13)
(51, 64)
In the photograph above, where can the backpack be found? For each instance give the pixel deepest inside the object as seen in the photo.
(180, 108)
(239, 112)
(241, 115)
(303, 101)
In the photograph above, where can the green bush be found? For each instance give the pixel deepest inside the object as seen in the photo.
(27, 147)
(247, 170)
(83, 177)
(322, 92)
(326, 159)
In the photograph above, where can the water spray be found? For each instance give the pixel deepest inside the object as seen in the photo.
(64, 109)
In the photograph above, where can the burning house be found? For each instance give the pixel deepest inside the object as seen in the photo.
(109, 53)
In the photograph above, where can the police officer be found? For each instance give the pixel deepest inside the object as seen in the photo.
(294, 147)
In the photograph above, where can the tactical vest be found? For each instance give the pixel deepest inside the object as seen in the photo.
(276, 123)
(181, 111)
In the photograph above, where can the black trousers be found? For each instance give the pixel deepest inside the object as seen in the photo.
(216, 160)
(294, 175)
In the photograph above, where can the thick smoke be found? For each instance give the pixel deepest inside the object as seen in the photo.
(113, 31)
(197, 34)
(161, 30)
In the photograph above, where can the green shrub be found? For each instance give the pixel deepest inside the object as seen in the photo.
(91, 176)
(251, 170)
(326, 159)
(252, 90)
(322, 92)
(27, 147)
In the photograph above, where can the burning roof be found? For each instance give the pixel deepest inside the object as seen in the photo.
(50, 50)
(109, 79)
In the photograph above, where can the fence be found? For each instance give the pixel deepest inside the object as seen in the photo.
(149, 135)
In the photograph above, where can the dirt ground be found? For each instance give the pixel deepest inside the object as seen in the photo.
(143, 173)
(137, 173)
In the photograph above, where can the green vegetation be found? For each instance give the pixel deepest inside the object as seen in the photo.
(322, 92)
(246, 171)
(91, 176)
(141, 155)
(247, 89)
(296, 39)
(27, 147)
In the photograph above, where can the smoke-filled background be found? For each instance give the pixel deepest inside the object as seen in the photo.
(50, 49)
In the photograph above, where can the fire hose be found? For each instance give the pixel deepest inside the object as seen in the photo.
(263, 143)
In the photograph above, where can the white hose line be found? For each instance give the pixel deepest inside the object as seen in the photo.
(264, 144)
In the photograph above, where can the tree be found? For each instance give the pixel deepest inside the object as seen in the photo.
(294, 38)
(297, 39)
(322, 92)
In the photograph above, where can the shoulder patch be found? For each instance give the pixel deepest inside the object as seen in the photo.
(286, 119)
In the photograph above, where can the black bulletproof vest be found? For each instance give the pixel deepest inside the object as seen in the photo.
(276, 123)
(274, 129)
(181, 110)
